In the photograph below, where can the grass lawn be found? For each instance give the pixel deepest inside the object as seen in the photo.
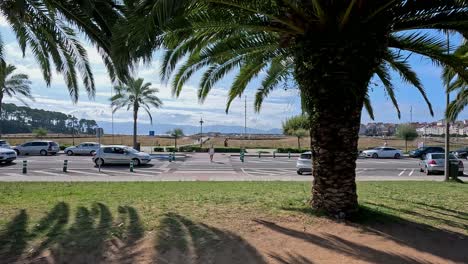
(38, 212)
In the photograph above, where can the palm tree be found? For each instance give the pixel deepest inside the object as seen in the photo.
(49, 29)
(333, 49)
(135, 95)
(176, 133)
(13, 85)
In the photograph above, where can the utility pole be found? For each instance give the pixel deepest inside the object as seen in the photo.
(447, 125)
(201, 131)
(112, 116)
(245, 117)
(411, 114)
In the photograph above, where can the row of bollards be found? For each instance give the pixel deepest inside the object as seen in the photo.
(65, 166)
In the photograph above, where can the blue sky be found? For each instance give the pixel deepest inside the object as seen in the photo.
(186, 109)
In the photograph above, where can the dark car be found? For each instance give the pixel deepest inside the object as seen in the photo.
(461, 153)
(418, 153)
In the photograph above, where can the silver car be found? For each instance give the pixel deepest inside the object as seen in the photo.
(304, 163)
(42, 148)
(435, 162)
(7, 155)
(4, 144)
(85, 148)
(117, 154)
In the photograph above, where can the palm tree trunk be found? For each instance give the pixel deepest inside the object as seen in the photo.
(333, 75)
(298, 142)
(135, 117)
(175, 142)
(1, 105)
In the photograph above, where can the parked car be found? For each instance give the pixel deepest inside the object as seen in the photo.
(117, 154)
(85, 148)
(461, 153)
(42, 148)
(418, 153)
(7, 155)
(304, 163)
(435, 162)
(383, 152)
(4, 144)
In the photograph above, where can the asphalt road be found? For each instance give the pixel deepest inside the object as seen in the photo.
(197, 167)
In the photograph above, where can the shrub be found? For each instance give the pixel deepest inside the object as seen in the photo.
(158, 149)
(292, 150)
(64, 146)
(172, 149)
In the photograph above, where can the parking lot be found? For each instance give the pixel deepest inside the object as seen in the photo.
(196, 166)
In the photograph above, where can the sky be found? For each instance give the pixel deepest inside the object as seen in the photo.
(186, 109)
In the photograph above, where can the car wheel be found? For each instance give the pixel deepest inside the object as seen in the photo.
(99, 162)
(43, 152)
(17, 152)
(397, 156)
(69, 153)
(10, 161)
(136, 162)
(375, 156)
(299, 172)
(421, 170)
(428, 172)
(460, 173)
(92, 152)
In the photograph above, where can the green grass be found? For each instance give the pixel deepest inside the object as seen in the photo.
(76, 220)
(442, 205)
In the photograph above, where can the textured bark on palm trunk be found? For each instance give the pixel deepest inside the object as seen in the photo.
(333, 75)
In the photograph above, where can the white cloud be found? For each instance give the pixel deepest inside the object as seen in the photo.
(3, 22)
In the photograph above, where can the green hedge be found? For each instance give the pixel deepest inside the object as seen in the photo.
(197, 148)
(292, 150)
(158, 149)
(64, 146)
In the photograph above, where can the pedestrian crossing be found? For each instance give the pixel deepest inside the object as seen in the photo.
(220, 164)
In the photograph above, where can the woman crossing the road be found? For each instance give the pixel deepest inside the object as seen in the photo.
(211, 151)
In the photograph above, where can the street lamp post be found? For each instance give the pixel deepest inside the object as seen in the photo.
(201, 131)
(447, 125)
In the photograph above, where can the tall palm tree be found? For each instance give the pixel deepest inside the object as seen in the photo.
(135, 95)
(334, 49)
(13, 85)
(49, 29)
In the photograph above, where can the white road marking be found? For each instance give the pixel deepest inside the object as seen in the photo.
(87, 173)
(411, 173)
(401, 173)
(48, 173)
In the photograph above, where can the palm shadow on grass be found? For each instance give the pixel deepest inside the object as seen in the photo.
(85, 240)
(93, 235)
(414, 235)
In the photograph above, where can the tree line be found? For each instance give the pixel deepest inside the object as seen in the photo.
(23, 119)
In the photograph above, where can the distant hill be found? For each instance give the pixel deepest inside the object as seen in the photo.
(143, 129)
(22, 119)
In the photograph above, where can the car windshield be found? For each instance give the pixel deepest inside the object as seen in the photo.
(306, 156)
(378, 148)
(131, 150)
(442, 156)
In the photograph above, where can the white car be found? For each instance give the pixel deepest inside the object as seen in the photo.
(7, 155)
(85, 148)
(42, 148)
(117, 154)
(383, 152)
(4, 144)
(304, 163)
